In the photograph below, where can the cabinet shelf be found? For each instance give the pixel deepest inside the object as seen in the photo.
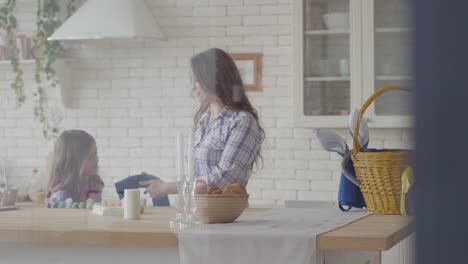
(326, 32)
(324, 113)
(7, 62)
(393, 30)
(30, 61)
(327, 79)
(392, 78)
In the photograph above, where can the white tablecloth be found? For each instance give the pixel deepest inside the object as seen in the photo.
(283, 236)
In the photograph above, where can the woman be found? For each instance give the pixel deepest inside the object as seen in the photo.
(228, 135)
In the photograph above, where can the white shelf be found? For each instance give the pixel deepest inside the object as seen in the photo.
(393, 30)
(32, 61)
(327, 79)
(326, 32)
(392, 78)
(7, 62)
(29, 33)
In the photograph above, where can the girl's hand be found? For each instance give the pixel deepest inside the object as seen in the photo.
(155, 188)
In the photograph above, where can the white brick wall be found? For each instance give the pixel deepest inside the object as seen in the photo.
(134, 96)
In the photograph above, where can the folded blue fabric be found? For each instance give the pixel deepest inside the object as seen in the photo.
(133, 182)
(349, 194)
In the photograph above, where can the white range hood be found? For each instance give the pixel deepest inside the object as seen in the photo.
(110, 19)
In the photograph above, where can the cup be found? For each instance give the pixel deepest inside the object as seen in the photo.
(23, 43)
(19, 45)
(344, 67)
(3, 38)
(131, 204)
(331, 67)
(2, 53)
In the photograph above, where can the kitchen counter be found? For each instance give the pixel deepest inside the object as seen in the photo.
(37, 225)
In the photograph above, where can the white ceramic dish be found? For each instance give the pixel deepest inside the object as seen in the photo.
(102, 210)
(105, 210)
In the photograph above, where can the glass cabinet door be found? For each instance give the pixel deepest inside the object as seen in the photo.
(391, 57)
(345, 50)
(326, 57)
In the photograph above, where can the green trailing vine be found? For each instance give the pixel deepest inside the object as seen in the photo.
(46, 53)
(71, 7)
(9, 24)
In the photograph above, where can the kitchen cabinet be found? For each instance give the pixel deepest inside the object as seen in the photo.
(344, 50)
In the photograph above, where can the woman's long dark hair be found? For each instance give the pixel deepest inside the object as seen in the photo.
(218, 75)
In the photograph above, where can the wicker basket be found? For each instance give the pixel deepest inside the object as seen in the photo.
(220, 208)
(379, 172)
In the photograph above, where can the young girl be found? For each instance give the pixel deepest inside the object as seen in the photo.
(74, 169)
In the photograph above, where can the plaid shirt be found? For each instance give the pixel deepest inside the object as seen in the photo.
(226, 147)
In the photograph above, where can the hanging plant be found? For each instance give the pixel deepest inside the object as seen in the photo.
(46, 53)
(72, 6)
(9, 25)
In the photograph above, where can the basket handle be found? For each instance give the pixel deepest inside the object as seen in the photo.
(369, 101)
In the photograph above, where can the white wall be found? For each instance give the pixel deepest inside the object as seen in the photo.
(133, 97)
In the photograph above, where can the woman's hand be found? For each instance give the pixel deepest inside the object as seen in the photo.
(155, 188)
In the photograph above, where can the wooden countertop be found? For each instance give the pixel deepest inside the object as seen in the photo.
(33, 224)
(373, 232)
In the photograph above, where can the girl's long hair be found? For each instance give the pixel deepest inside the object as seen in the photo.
(71, 151)
(218, 75)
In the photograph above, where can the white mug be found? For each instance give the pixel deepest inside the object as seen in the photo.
(131, 204)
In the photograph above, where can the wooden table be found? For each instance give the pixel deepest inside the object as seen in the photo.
(32, 224)
(75, 227)
(374, 232)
